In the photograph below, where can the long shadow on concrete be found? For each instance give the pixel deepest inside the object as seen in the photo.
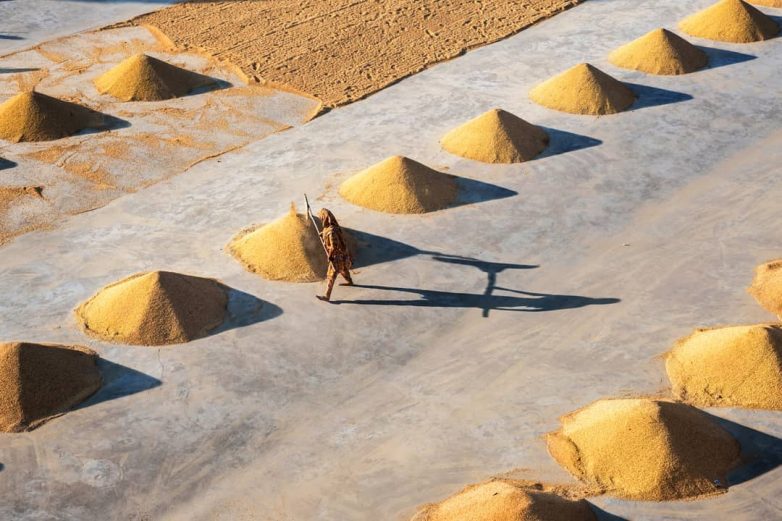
(722, 57)
(530, 302)
(561, 142)
(648, 96)
(244, 310)
(6, 163)
(760, 452)
(14, 70)
(10, 37)
(372, 249)
(118, 381)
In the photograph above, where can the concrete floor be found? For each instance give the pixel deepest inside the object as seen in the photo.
(24, 23)
(297, 410)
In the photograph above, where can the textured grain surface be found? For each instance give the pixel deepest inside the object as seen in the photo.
(342, 50)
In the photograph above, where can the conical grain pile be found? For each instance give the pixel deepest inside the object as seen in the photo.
(729, 367)
(730, 21)
(767, 286)
(154, 308)
(506, 500)
(38, 381)
(400, 185)
(144, 78)
(645, 449)
(583, 89)
(286, 249)
(32, 116)
(496, 136)
(660, 52)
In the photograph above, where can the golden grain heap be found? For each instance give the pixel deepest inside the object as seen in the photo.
(506, 500)
(645, 449)
(400, 185)
(738, 366)
(32, 116)
(766, 287)
(154, 308)
(583, 89)
(496, 136)
(144, 78)
(285, 249)
(39, 381)
(730, 21)
(660, 52)
(768, 3)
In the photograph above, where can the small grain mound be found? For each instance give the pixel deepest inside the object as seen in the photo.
(583, 89)
(766, 287)
(286, 249)
(660, 52)
(729, 367)
(144, 78)
(32, 116)
(506, 500)
(40, 381)
(400, 185)
(496, 136)
(730, 21)
(154, 308)
(645, 449)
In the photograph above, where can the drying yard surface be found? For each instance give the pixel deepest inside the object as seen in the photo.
(199, 109)
(530, 291)
(342, 50)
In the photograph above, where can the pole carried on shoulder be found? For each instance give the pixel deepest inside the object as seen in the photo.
(315, 224)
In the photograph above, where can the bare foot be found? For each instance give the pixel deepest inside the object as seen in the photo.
(321, 297)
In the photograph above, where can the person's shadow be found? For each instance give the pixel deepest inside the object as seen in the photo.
(370, 249)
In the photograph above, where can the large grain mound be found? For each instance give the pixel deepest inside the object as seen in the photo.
(660, 52)
(32, 116)
(506, 500)
(144, 78)
(39, 381)
(645, 449)
(154, 308)
(583, 89)
(767, 286)
(342, 50)
(496, 136)
(731, 366)
(400, 185)
(730, 21)
(286, 249)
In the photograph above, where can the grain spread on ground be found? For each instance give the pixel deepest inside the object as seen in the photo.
(286, 249)
(738, 366)
(340, 51)
(32, 116)
(496, 136)
(507, 500)
(154, 308)
(660, 52)
(645, 449)
(144, 78)
(400, 185)
(766, 287)
(39, 381)
(583, 89)
(730, 21)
